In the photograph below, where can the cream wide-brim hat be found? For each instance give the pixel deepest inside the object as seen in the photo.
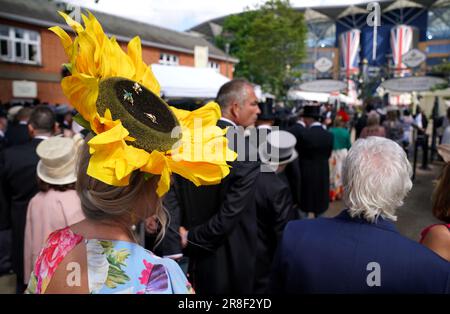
(58, 155)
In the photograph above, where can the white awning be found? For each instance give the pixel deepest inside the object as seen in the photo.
(308, 96)
(322, 97)
(188, 82)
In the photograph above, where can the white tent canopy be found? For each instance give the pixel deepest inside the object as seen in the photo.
(319, 97)
(308, 96)
(188, 82)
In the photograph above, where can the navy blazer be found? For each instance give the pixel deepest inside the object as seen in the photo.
(334, 255)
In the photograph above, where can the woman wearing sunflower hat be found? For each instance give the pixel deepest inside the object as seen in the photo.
(137, 141)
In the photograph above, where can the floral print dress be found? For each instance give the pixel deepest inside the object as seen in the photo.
(113, 267)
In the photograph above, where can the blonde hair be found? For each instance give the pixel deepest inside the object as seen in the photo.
(125, 204)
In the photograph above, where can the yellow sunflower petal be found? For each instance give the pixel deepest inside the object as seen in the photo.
(208, 115)
(112, 160)
(116, 134)
(158, 164)
(200, 173)
(82, 92)
(72, 23)
(66, 41)
(164, 182)
(143, 73)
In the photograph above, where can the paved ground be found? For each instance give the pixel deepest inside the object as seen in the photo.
(413, 216)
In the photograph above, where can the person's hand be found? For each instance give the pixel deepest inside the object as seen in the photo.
(183, 236)
(151, 225)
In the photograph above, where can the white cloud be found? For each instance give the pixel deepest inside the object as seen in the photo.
(182, 14)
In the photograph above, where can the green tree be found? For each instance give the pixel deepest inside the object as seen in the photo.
(269, 42)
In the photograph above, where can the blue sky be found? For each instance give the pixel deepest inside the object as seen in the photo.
(183, 14)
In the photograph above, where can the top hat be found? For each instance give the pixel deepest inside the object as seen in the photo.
(311, 111)
(267, 110)
(279, 149)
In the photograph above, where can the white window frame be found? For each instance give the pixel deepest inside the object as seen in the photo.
(168, 59)
(25, 42)
(214, 65)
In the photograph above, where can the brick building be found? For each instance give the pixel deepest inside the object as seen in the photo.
(30, 52)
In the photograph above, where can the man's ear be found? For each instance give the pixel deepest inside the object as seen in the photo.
(234, 110)
(55, 128)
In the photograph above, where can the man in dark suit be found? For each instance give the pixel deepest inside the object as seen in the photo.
(17, 132)
(18, 175)
(315, 145)
(221, 219)
(274, 203)
(360, 250)
(293, 172)
(421, 124)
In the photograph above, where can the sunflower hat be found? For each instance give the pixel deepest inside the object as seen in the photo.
(117, 97)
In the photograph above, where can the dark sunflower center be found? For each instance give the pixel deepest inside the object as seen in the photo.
(144, 106)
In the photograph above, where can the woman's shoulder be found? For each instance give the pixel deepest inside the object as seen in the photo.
(54, 195)
(67, 195)
(437, 238)
(441, 231)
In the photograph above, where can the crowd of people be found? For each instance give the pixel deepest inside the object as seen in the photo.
(248, 234)
(243, 222)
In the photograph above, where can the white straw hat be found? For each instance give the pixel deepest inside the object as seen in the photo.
(58, 159)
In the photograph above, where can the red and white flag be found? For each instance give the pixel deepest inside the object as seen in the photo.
(350, 51)
(401, 43)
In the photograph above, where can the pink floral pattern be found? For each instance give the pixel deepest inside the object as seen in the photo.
(59, 243)
(146, 272)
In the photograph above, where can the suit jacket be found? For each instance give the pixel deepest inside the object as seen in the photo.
(221, 220)
(424, 123)
(17, 134)
(19, 183)
(351, 255)
(171, 243)
(314, 146)
(3, 143)
(292, 172)
(274, 208)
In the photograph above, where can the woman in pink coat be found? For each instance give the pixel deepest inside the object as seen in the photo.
(57, 205)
